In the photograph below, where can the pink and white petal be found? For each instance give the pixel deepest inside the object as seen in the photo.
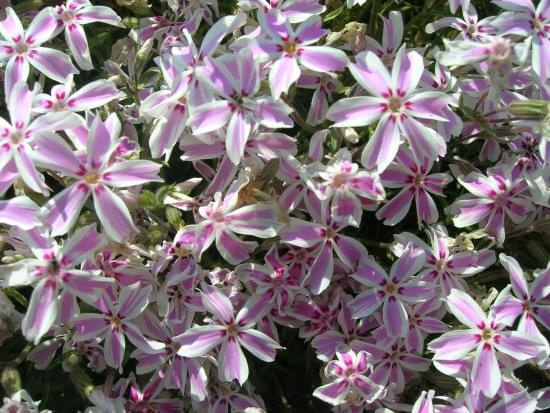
(495, 225)
(356, 111)
(518, 208)
(349, 250)
(367, 388)
(93, 95)
(197, 341)
(396, 208)
(113, 214)
(365, 304)
(320, 273)
(370, 273)
(214, 36)
(259, 344)
(11, 26)
(217, 303)
(137, 338)
(520, 346)
(166, 133)
(114, 347)
(408, 264)
(83, 243)
(17, 70)
(310, 30)
(371, 74)
(232, 362)
(486, 372)
(27, 170)
(232, 248)
(78, 44)
(272, 114)
(428, 105)
(477, 184)
(453, 345)
(466, 310)
(259, 220)
(42, 28)
(19, 104)
(346, 209)
(20, 211)
(131, 173)
(425, 207)
(89, 326)
(395, 317)
(323, 59)
(42, 310)
(210, 116)
(53, 152)
(471, 211)
(333, 393)
(382, 146)
(100, 144)
(506, 308)
(407, 69)
(424, 141)
(302, 233)
(52, 63)
(61, 212)
(284, 72)
(92, 14)
(540, 56)
(238, 132)
(519, 283)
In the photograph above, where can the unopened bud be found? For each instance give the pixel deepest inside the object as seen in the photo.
(531, 108)
(11, 380)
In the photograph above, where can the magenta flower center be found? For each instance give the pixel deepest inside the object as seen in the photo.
(395, 104)
(92, 178)
(21, 48)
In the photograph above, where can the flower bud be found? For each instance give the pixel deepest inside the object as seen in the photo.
(531, 108)
(11, 380)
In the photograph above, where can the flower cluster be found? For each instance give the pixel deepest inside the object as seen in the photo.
(217, 191)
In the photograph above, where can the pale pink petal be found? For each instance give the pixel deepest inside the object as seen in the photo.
(42, 28)
(518, 345)
(91, 14)
(93, 95)
(382, 145)
(302, 233)
(333, 393)
(217, 303)
(519, 283)
(114, 347)
(349, 250)
(20, 211)
(42, 310)
(113, 214)
(198, 341)
(133, 300)
(27, 170)
(356, 111)
(323, 59)
(428, 105)
(321, 270)
(371, 74)
(100, 144)
(407, 69)
(232, 362)
(52, 63)
(53, 152)
(396, 208)
(11, 26)
(62, 211)
(131, 173)
(232, 248)
(424, 141)
(17, 70)
(466, 310)
(78, 44)
(370, 273)
(89, 326)
(425, 207)
(210, 116)
(284, 72)
(238, 131)
(395, 317)
(83, 243)
(259, 220)
(310, 30)
(259, 344)
(365, 304)
(486, 372)
(454, 345)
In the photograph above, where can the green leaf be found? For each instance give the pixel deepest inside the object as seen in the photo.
(334, 14)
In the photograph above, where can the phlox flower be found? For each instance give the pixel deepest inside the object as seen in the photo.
(71, 17)
(350, 375)
(470, 26)
(21, 47)
(231, 332)
(93, 175)
(287, 48)
(294, 11)
(19, 147)
(392, 37)
(391, 291)
(445, 266)
(52, 272)
(417, 184)
(525, 300)
(491, 199)
(395, 105)
(485, 335)
(223, 218)
(20, 211)
(344, 185)
(117, 322)
(523, 19)
(151, 398)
